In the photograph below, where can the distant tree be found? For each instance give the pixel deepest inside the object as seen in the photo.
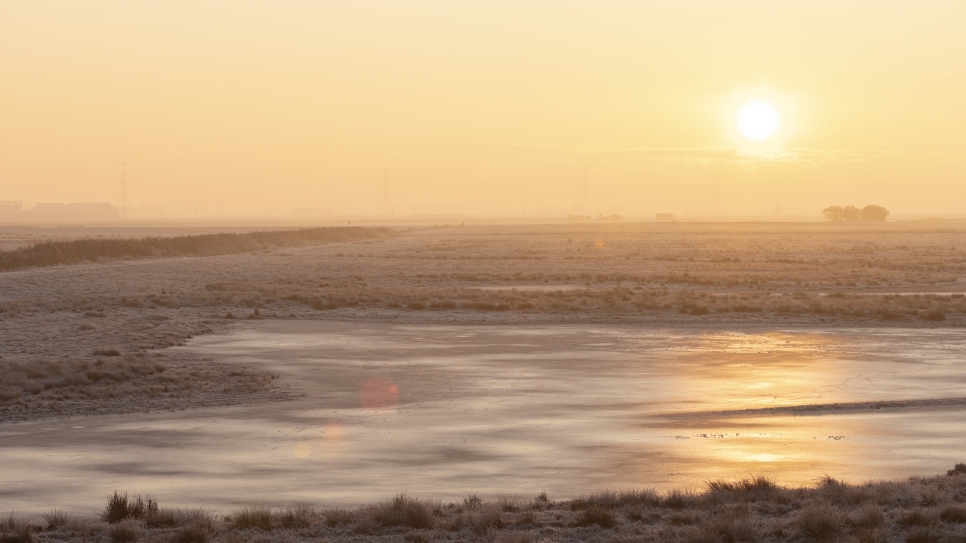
(834, 213)
(851, 213)
(873, 213)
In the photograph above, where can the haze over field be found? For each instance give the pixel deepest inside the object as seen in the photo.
(253, 109)
(419, 271)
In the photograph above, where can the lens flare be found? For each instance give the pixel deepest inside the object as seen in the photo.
(379, 393)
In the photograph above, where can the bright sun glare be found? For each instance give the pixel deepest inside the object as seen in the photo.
(758, 120)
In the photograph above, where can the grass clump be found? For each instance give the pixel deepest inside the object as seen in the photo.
(403, 511)
(953, 514)
(868, 516)
(917, 517)
(124, 532)
(15, 529)
(819, 522)
(120, 507)
(597, 515)
(258, 517)
(196, 532)
(57, 519)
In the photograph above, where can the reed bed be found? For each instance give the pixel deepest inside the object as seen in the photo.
(920, 509)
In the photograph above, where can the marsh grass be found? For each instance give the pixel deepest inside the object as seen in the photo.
(16, 529)
(73, 385)
(750, 510)
(403, 510)
(124, 532)
(120, 507)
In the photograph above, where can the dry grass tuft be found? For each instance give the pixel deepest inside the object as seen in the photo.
(868, 516)
(260, 518)
(403, 511)
(298, 516)
(196, 532)
(15, 529)
(597, 515)
(677, 499)
(125, 532)
(954, 514)
(918, 517)
(57, 519)
(337, 517)
(120, 507)
(924, 534)
(819, 522)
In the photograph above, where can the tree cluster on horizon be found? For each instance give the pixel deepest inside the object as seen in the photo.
(852, 213)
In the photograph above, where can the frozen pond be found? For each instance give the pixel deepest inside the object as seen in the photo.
(447, 411)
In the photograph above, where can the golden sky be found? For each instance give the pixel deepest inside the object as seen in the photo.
(484, 108)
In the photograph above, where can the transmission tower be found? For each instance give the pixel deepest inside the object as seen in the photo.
(123, 190)
(386, 203)
(586, 200)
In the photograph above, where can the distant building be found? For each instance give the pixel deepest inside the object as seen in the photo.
(665, 216)
(10, 208)
(77, 212)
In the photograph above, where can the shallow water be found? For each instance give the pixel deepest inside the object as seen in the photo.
(446, 411)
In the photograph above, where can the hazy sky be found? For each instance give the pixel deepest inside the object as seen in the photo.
(489, 107)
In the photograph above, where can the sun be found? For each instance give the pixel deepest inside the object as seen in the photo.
(758, 120)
